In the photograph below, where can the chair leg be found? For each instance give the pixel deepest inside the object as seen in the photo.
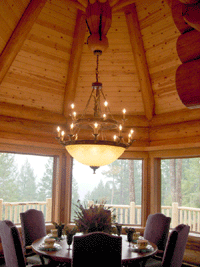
(42, 260)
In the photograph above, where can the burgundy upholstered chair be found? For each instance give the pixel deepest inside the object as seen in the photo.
(157, 230)
(12, 246)
(175, 247)
(97, 249)
(33, 227)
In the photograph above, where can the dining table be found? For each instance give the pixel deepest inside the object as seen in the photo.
(63, 253)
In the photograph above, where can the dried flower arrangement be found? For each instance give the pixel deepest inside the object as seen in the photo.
(94, 218)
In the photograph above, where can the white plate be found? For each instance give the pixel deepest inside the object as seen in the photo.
(46, 247)
(147, 249)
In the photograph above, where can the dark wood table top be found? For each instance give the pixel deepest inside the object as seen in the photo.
(65, 255)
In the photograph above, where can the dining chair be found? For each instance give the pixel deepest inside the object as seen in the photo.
(33, 227)
(97, 249)
(175, 248)
(157, 230)
(12, 245)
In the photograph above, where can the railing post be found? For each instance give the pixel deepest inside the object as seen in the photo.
(48, 209)
(174, 214)
(90, 203)
(132, 213)
(1, 208)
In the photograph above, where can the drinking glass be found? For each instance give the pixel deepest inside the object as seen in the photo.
(119, 229)
(130, 237)
(69, 240)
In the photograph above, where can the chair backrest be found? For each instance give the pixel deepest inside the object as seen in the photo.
(33, 225)
(11, 243)
(157, 229)
(175, 247)
(97, 249)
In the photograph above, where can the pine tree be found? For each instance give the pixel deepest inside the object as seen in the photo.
(27, 183)
(45, 185)
(8, 178)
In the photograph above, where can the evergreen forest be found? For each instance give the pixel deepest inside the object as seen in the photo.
(120, 184)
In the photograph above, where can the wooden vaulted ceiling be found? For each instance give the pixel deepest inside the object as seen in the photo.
(45, 65)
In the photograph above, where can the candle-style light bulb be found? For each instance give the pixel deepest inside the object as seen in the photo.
(106, 105)
(95, 128)
(74, 115)
(71, 128)
(114, 137)
(120, 129)
(62, 135)
(124, 112)
(72, 106)
(58, 130)
(129, 137)
(104, 116)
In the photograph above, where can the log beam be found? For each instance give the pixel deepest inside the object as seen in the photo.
(16, 111)
(77, 5)
(191, 15)
(187, 83)
(19, 35)
(140, 60)
(176, 8)
(175, 117)
(185, 42)
(120, 5)
(74, 64)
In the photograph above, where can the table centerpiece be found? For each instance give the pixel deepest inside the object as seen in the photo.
(94, 218)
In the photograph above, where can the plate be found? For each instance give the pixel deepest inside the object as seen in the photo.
(45, 247)
(147, 249)
(135, 240)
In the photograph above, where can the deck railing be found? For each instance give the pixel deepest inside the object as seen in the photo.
(125, 214)
(11, 210)
(131, 214)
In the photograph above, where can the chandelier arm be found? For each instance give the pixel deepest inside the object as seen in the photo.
(108, 106)
(84, 111)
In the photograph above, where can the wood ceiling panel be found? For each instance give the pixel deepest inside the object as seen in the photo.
(159, 36)
(21, 95)
(10, 13)
(43, 60)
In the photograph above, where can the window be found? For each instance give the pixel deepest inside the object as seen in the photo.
(119, 185)
(25, 182)
(180, 191)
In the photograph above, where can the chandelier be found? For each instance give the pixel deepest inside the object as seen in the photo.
(98, 149)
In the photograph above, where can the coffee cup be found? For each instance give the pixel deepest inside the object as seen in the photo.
(136, 235)
(142, 243)
(54, 232)
(49, 242)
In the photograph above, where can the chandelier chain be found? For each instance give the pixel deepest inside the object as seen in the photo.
(97, 69)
